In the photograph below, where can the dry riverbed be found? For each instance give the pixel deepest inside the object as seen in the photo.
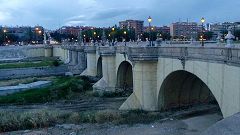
(93, 115)
(189, 126)
(177, 123)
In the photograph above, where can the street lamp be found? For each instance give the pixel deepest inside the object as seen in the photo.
(94, 36)
(149, 21)
(4, 31)
(84, 36)
(125, 33)
(202, 21)
(113, 29)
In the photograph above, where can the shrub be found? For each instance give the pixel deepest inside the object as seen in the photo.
(11, 121)
(56, 63)
(107, 116)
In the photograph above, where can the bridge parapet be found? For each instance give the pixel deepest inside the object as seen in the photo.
(214, 54)
(107, 50)
(80, 48)
(143, 53)
(90, 49)
(121, 49)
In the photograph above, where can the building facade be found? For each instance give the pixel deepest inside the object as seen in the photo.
(184, 30)
(73, 30)
(137, 25)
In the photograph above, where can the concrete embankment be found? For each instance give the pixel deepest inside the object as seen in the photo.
(32, 72)
(22, 87)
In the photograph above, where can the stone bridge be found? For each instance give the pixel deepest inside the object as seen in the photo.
(161, 77)
(164, 77)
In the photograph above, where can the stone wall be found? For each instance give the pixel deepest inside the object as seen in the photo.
(32, 72)
(21, 52)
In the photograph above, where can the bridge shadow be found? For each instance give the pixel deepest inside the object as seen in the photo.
(99, 68)
(182, 90)
(125, 78)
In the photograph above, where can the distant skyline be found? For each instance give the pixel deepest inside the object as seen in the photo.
(53, 14)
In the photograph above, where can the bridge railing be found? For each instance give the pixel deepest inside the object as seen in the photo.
(213, 54)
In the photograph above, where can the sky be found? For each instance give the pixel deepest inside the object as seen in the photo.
(53, 14)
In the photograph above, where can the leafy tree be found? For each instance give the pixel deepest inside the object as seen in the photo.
(208, 35)
(1, 37)
(237, 34)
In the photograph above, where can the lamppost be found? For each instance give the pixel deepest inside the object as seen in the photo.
(94, 36)
(4, 31)
(109, 42)
(113, 29)
(84, 40)
(202, 37)
(149, 21)
(125, 34)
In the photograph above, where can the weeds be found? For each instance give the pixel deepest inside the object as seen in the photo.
(11, 121)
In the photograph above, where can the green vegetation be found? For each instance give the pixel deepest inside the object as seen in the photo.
(14, 82)
(43, 63)
(112, 94)
(62, 88)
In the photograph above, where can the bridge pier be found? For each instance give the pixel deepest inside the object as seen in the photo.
(82, 61)
(91, 61)
(75, 58)
(108, 81)
(66, 56)
(144, 87)
(70, 57)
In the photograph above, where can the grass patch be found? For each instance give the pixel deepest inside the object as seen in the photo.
(112, 94)
(43, 63)
(62, 88)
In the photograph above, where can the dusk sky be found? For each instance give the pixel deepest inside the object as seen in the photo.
(53, 14)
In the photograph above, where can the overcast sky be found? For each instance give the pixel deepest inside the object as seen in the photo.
(55, 13)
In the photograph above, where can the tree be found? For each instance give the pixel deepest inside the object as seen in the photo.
(208, 35)
(237, 34)
(12, 38)
(1, 37)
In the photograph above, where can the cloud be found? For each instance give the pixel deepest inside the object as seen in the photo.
(54, 13)
(4, 16)
(103, 17)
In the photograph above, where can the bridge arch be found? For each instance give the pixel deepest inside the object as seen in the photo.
(181, 89)
(125, 77)
(99, 68)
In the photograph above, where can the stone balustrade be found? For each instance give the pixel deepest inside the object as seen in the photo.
(216, 54)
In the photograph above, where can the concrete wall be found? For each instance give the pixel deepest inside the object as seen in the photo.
(59, 52)
(20, 52)
(32, 72)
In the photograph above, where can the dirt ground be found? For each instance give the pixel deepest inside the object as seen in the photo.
(189, 126)
(192, 125)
